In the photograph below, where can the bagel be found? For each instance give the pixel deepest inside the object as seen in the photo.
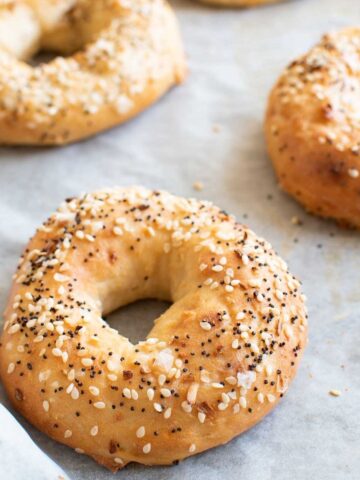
(121, 56)
(313, 128)
(214, 363)
(239, 3)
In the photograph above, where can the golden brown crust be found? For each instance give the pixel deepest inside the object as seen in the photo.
(213, 365)
(313, 128)
(131, 56)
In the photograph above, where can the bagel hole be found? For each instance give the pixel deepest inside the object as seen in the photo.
(135, 320)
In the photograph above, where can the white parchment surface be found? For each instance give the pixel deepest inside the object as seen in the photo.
(210, 130)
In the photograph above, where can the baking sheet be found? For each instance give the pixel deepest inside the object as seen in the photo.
(210, 130)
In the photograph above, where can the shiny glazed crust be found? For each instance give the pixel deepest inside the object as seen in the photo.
(313, 128)
(128, 55)
(215, 362)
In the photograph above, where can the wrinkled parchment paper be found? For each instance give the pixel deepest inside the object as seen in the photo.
(21, 457)
(210, 130)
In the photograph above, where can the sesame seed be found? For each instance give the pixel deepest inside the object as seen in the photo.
(127, 392)
(46, 405)
(147, 448)
(11, 368)
(279, 294)
(140, 432)
(271, 398)
(205, 325)
(162, 379)
(186, 406)
(13, 329)
(201, 417)
(245, 259)
(167, 413)
(288, 331)
(157, 407)
(94, 390)
(165, 392)
(217, 385)
(242, 402)
(225, 397)
(231, 380)
(87, 362)
(260, 297)
(150, 394)
(111, 365)
(43, 376)
(99, 405)
(118, 231)
(58, 277)
(217, 268)
(69, 388)
(75, 393)
(94, 430)
(192, 393)
(134, 394)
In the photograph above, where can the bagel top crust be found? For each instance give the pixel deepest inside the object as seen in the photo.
(313, 128)
(213, 365)
(123, 56)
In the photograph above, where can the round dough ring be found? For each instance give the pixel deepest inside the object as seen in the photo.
(128, 55)
(313, 128)
(213, 365)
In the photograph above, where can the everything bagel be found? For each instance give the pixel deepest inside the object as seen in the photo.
(213, 365)
(313, 128)
(128, 55)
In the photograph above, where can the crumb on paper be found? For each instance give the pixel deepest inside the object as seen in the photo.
(296, 220)
(335, 393)
(216, 128)
(198, 186)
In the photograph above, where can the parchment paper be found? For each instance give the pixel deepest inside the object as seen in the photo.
(210, 129)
